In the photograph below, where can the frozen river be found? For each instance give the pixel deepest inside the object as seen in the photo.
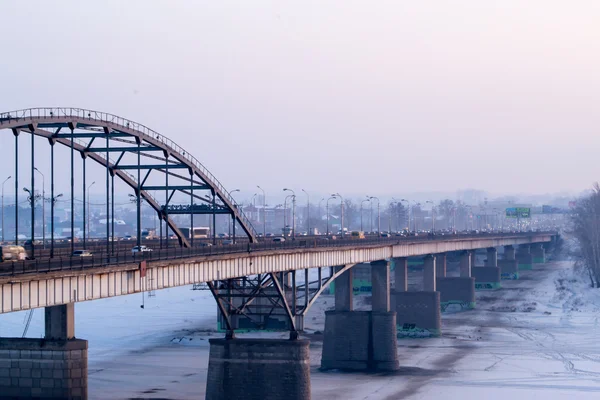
(535, 338)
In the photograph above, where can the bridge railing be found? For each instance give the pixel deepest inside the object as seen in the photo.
(104, 258)
(80, 113)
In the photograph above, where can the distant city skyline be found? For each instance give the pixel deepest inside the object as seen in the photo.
(352, 97)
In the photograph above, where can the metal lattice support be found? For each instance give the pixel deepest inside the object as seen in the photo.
(155, 153)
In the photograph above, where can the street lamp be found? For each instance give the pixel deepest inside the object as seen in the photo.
(43, 207)
(320, 213)
(307, 212)
(432, 215)
(52, 203)
(378, 214)
(232, 216)
(32, 198)
(264, 211)
(361, 212)
(327, 206)
(89, 211)
(408, 208)
(3, 206)
(293, 212)
(392, 212)
(341, 212)
(285, 223)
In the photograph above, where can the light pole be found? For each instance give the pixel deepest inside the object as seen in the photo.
(341, 212)
(378, 215)
(43, 208)
(432, 215)
(408, 212)
(52, 203)
(89, 211)
(232, 215)
(307, 212)
(3, 206)
(293, 212)
(327, 206)
(361, 212)
(391, 207)
(415, 204)
(285, 224)
(32, 198)
(264, 211)
(320, 213)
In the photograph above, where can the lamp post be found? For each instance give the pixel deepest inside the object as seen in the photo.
(391, 207)
(32, 198)
(327, 206)
(285, 224)
(361, 212)
(341, 212)
(3, 206)
(232, 215)
(408, 212)
(89, 211)
(378, 214)
(307, 212)
(320, 213)
(264, 211)
(432, 215)
(415, 204)
(43, 208)
(52, 203)
(293, 211)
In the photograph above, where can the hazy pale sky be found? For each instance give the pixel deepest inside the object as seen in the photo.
(330, 96)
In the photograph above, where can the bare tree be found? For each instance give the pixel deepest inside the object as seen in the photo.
(586, 228)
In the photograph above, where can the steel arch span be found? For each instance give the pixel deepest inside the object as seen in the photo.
(97, 135)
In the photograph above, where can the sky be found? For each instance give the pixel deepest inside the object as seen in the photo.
(355, 97)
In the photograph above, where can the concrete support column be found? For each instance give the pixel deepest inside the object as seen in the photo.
(465, 264)
(538, 253)
(429, 274)
(380, 283)
(524, 257)
(60, 322)
(401, 274)
(509, 253)
(473, 259)
(258, 369)
(440, 265)
(492, 257)
(344, 290)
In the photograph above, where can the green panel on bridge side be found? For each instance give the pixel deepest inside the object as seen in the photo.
(510, 275)
(359, 286)
(487, 285)
(411, 331)
(525, 267)
(464, 305)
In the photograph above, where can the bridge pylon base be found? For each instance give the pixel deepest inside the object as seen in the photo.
(360, 340)
(258, 369)
(43, 369)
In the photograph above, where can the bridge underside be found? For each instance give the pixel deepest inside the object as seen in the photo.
(61, 287)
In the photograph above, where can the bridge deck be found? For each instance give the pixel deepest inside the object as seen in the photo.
(31, 288)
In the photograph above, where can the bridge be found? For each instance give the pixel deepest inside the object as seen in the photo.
(244, 277)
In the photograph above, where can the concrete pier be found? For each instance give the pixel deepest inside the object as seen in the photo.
(418, 314)
(362, 340)
(258, 369)
(465, 264)
(51, 368)
(492, 257)
(401, 274)
(538, 253)
(440, 265)
(429, 274)
(487, 278)
(524, 258)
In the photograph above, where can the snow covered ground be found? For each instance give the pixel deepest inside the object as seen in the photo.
(535, 338)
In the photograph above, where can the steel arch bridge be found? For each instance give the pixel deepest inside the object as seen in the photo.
(97, 135)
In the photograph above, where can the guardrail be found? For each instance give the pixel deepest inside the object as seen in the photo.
(11, 268)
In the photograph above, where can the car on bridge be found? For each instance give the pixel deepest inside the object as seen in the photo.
(81, 253)
(140, 249)
(279, 239)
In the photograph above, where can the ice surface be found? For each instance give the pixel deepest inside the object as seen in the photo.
(538, 337)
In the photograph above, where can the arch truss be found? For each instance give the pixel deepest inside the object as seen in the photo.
(137, 156)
